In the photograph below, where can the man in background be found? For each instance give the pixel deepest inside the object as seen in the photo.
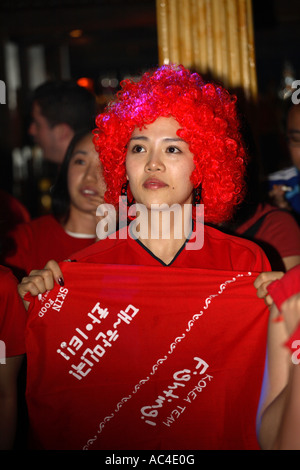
(59, 110)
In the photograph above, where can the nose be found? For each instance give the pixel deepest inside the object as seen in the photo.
(92, 172)
(154, 162)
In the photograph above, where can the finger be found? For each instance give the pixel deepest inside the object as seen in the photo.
(262, 293)
(268, 300)
(26, 304)
(265, 277)
(21, 294)
(28, 286)
(53, 266)
(42, 279)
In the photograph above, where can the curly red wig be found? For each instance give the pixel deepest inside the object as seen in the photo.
(208, 118)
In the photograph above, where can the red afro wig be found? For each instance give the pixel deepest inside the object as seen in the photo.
(207, 115)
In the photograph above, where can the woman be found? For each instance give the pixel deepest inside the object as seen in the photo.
(168, 142)
(78, 191)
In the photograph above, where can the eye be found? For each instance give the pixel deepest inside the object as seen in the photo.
(79, 161)
(173, 149)
(138, 149)
(294, 140)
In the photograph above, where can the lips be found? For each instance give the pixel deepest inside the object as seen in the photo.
(153, 183)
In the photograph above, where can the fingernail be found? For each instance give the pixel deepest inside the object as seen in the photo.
(61, 281)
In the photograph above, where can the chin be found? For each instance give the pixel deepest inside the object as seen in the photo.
(160, 206)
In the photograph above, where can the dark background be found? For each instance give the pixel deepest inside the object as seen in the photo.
(118, 39)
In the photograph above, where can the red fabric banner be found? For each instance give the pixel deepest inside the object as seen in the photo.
(135, 357)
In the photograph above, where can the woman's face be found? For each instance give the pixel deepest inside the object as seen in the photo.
(85, 179)
(159, 165)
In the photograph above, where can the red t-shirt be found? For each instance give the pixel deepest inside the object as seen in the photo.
(131, 354)
(278, 235)
(30, 245)
(146, 357)
(284, 288)
(12, 212)
(219, 251)
(289, 285)
(13, 315)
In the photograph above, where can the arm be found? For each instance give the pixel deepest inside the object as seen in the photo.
(8, 401)
(40, 281)
(279, 410)
(289, 431)
(274, 389)
(291, 261)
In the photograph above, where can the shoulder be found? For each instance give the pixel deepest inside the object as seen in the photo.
(268, 215)
(239, 252)
(8, 284)
(6, 274)
(98, 250)
(281, 230)
(234, 241)
(44, 222)
(280, 216)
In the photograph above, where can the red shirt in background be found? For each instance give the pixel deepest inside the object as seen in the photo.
(30, 245)
(13, 315)
(278, 234)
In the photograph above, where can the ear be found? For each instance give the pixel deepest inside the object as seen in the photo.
(63, 132)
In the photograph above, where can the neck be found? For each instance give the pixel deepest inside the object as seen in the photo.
(164, 232)
(81, 222)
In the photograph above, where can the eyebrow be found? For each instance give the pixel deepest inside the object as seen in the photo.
(166, 139)
(293, 131)
(82, 152)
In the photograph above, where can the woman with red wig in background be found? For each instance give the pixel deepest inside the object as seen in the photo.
(157, 339)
